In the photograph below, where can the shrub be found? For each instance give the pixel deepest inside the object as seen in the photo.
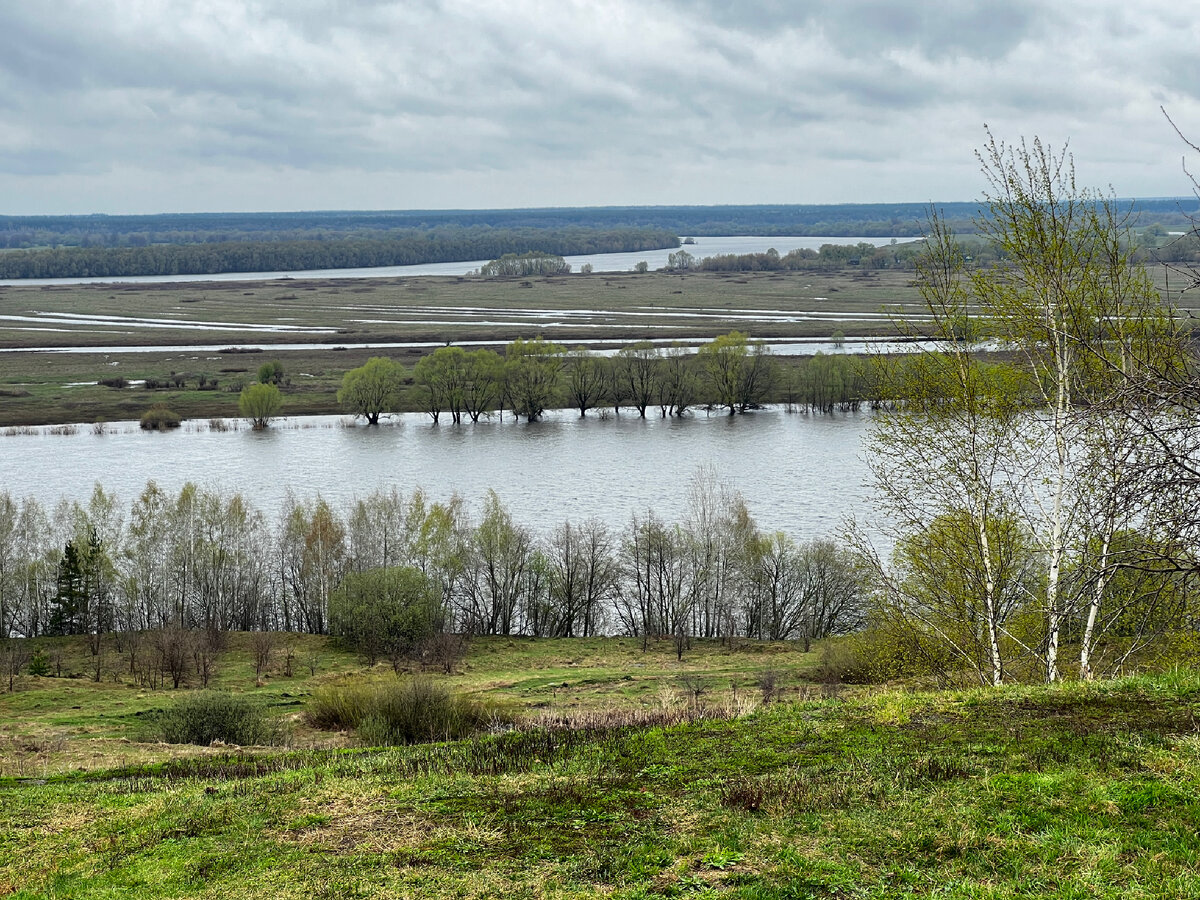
(207, 716)
(884, 653)
(159, 418)
(386, 612)
(390, 713)
(39, 664)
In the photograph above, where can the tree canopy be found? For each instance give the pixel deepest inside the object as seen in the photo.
(372, 389)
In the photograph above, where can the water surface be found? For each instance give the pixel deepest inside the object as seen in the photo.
(799, 473)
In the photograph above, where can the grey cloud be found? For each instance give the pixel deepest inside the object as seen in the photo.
(617, 102)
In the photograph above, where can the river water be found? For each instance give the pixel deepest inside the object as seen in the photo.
(799, 473)
(600, 262)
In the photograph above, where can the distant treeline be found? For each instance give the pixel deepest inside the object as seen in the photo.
(1154, 244)
(875, 220)
(829, 256)
(863, 219)
(414, 248)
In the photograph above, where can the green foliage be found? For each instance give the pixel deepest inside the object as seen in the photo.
(393, 712)
(372, 389)
(271, 373)
(159, 417)
(207, 716)
(739, 371)
(260, 403)
(827, 382)
(386, 612)
(39, 664)
(524, 265)
(880, 654)
(531, 370)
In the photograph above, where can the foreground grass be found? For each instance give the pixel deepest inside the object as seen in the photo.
(1072, 791)
(54, 725)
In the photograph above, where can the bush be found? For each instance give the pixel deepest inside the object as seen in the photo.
(386, 612)
(207, 716)
(390, 713)
(159, 418)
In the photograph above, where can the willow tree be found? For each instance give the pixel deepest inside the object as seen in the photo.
(531, 376)
(372, 389)
(738, 371)
(260, 403)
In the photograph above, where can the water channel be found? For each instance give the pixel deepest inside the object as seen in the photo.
(600, 262)
(799, 473)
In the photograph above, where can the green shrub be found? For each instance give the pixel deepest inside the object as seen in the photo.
(207, 716)
(39, 664)
(386, 612)
(412, 711)
(880, 654)
(159, 417)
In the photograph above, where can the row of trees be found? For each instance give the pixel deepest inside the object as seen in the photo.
(525, 265)
(732, 372)
(1042, 504)
(829, 256)
(395, 568)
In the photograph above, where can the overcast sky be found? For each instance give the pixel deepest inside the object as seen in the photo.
(123, 106)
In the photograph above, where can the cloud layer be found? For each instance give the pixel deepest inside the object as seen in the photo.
(141, 106)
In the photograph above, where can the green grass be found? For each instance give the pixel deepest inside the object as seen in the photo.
(52, 725)
(1077, 791)
(1073, 791)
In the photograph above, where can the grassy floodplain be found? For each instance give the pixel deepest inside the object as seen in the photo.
(1077, 790)
(326, 315)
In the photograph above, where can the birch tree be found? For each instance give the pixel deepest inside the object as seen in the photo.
(1083, 317)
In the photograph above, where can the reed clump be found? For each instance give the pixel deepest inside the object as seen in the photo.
(395, 712)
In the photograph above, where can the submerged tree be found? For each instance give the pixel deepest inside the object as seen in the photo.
(531, 371)
(372, 389)
(260, 403)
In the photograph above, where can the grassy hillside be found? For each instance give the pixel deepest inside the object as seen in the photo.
(1072, 791)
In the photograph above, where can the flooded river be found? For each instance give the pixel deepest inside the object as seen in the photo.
(799, 473)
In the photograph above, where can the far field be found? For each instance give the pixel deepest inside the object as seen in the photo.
(328, 315)
(52, 725)
(193, 321)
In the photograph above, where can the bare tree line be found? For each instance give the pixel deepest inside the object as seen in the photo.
(210, 563)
